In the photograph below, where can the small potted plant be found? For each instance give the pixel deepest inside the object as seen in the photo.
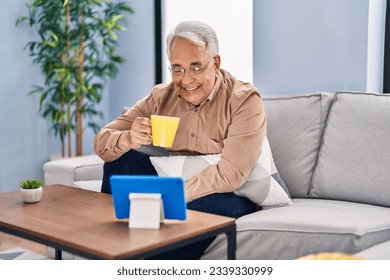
(31, 190)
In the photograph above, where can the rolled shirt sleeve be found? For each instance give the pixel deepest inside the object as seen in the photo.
(113, 140)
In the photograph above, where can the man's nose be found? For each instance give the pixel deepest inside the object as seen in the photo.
(187, 76)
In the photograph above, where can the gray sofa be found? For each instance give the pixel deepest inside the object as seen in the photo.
(333, 153)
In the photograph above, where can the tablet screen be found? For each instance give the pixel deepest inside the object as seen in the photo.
(170, 188)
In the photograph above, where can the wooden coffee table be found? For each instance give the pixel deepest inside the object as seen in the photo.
(84, 223)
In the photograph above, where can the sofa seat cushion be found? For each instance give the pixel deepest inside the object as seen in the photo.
(308, 226)
(354, 158)
(91, 185)
(294, 129)
(379, 251)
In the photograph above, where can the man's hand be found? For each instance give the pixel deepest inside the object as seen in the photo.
(140, 133)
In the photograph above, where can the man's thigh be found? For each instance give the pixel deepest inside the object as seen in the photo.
(225, 204)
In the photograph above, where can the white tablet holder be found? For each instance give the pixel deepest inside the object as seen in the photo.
(146, 210)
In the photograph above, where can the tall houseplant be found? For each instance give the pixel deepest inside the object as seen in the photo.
(76, 53)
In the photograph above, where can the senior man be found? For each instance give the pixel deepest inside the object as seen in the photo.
(218, 113)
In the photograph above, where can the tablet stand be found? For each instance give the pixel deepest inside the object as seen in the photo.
(146, 210)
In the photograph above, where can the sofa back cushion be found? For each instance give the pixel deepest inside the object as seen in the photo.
(294, 129)
(354, 160)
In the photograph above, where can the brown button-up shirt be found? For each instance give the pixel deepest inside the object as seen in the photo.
(231, 121)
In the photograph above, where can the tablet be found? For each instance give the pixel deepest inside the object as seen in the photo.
(170, 188)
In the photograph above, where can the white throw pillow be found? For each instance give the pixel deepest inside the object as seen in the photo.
(264, 186)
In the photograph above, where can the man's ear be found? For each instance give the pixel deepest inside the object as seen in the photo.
(217, 62)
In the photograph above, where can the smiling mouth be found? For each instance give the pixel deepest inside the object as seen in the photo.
(191, 88)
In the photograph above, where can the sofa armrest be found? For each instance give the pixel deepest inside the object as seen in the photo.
(67, 171)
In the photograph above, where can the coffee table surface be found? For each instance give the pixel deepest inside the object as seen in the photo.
(84, 221)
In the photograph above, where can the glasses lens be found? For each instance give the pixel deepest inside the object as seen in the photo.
(179, 71)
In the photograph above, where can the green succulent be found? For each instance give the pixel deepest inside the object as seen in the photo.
(30, 184)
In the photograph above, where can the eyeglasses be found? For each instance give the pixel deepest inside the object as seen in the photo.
(195, 69)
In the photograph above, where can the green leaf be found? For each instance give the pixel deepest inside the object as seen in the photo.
(31, 184)
(56, 54)
(36, 2)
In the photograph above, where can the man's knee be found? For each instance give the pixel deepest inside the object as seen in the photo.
(130, 163)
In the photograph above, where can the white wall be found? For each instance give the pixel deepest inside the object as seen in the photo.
(376, 41)
(231, 20)
(323, 45)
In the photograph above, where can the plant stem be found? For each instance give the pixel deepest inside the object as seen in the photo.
(79, 104)
(67, 26)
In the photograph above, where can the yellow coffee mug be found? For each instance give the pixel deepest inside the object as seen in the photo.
(164, 130)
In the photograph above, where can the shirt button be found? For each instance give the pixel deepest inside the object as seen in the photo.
(192, 134)
(196, 110)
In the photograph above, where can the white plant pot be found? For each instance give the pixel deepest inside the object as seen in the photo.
(31, 195)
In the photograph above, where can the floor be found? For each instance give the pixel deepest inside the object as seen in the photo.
(9, 241)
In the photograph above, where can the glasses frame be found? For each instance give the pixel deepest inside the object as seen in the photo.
(193, 70)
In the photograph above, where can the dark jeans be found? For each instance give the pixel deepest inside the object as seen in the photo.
(225, 204)
(132, 163)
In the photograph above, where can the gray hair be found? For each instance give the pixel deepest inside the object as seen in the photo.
(201, 34)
